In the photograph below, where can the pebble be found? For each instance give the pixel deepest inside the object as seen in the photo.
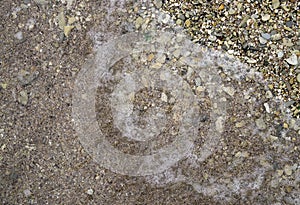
(269, 94)
(287, 42)
(19, 35)
(229, 90)
(251, 61)
(164, 97)
(266, 36)
(266, 17)
(240, 124)
(288, 170)
(23, 98)
(276, 37)
(26, 77)
(67, 30)
(161, 59)
(262, 40)
(260, 124)
(212, 38)
(292, 60)
(267, 107)
(138, 22)
(298, 78)
(280, 54)
(90, 191)
(275, 4)
(27, 192)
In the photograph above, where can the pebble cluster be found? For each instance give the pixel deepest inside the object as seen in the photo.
(262, 34)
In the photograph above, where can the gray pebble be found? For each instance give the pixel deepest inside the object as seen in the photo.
(19, 35)
(266, 36)
(262, 40)
(260, 124)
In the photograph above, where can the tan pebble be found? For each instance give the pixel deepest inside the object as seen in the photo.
(67, 30)
(221, 7)
(288, 170)
(187, 23)
(150, 57)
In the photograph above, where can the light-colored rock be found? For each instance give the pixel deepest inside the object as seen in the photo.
(292, 60)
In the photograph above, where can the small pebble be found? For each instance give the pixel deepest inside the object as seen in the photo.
(275, 4)
(292, 60)
(280, 54)
(298, 78)
(276, 37)
(212, 38)
(260, 124)
(19, 35)
(27, 192)
(23, 98)
(266, 17)
(90, 191)
(262, 40)
(266, 36)
(288, 170)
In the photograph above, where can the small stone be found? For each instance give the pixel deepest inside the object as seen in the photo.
(71, 20)
(156, 65)
(3, 85)
(187, 23)
(280, 54)
(61, 20)
(42, 2)
(178, 21)
(138, 22)
(285, 125)
(276, 37)
(164, 97)
(240, 124)
(166, 18)
(90, 191)
(229, 90)
(265, 17)
(231, 11)
(27, 192)
(275, 4)
(266, 36)
(67, 30)
(289, 24)
(267, 107)
(298, 78)
(287, 42)
(269, 94)
(212, 38)
(288, 170)
(260, 124)
(150, 57)
(251, 61)
(262, 40)
(158, 3)
(221, 7)
(19, 35)
(244, 21)
(23, 98)
(292, 60)
(161, 59)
